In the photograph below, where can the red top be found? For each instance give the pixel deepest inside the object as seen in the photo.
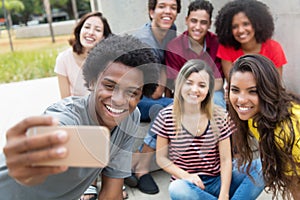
(271, 49)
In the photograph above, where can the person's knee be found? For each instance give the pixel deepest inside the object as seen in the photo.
(256, 165)
(154, 110)
(179, 189)
(256, 173)
(219, 99)
(243, 185)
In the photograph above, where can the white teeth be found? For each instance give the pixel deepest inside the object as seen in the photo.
(114, 110)
(244, 108)
(166, 18)
(193, 96)
(89, 39)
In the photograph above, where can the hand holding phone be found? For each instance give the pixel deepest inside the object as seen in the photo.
(88, 146)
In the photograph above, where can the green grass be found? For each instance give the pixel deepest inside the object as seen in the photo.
(26, 65)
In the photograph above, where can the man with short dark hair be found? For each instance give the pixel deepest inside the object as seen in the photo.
(117, 72)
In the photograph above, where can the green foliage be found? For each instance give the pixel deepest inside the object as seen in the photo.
(13, 5)
(36, 7)
(32, 7)
(58, 3)
(26, 65)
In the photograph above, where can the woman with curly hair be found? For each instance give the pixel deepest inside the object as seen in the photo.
(244, 27)
(264, 111)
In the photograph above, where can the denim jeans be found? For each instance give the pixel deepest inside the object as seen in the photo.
(219, 98)
(241, 186)
(149, 107)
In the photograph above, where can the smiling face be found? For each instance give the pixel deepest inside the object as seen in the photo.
(117, 93)
(198, 23)
(91, 32)
(195, 88)
(243, 95)
(164, 14)
(242, 29)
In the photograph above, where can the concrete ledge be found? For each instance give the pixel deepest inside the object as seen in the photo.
(43, 30)
(23, 99)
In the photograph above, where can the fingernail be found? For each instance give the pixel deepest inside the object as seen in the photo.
(55, 121)
(61, 150)
(61, 135)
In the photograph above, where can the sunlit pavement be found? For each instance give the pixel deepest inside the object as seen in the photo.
(28, 98)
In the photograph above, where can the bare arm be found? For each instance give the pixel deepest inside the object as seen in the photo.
(226, 66)
(64, 86)
(166, 164)
(226, 168)
(111, 188)
(21, 151)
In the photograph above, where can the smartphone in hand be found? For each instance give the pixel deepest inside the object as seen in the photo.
(88, 146)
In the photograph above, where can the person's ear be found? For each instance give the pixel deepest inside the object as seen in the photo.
(92, 86)
(151, 13)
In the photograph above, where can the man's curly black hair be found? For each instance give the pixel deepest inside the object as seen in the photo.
(127, 50)
(258, 14)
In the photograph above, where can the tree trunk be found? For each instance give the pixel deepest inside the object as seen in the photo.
(49, 18)
(75, 12)
(8, 23)
(9, 19)
(96, 5)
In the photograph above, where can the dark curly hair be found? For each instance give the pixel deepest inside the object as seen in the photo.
(274, 105)
(258, 14)
(127, 50)
(75, 40)
(152, 5)
(201, 5)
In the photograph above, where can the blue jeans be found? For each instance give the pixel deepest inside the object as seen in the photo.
(219, 98)
(247, 188)
(241, 186)
(149, 107)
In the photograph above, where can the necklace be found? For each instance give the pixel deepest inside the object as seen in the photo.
(201, 127)
(194, 124)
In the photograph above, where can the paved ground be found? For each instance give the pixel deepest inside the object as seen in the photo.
(29, 98)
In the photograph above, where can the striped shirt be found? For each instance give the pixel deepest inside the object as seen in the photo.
(194, 154)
